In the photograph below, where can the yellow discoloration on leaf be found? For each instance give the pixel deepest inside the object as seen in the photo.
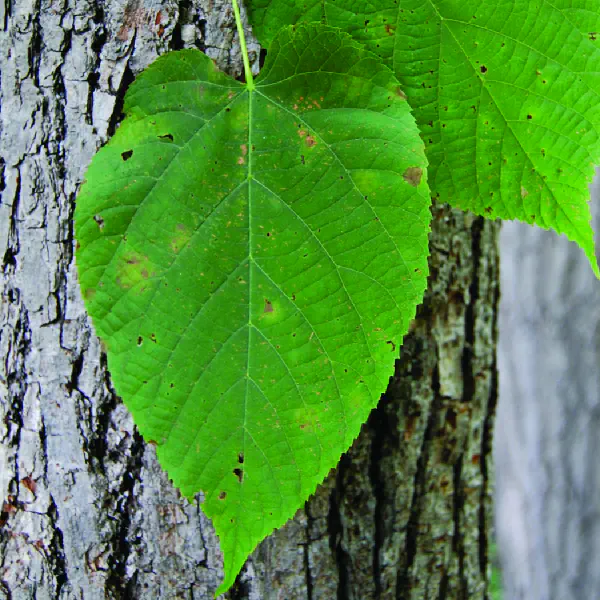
(133, 269)
(181, 239)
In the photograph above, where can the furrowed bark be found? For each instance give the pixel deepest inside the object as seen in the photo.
(86, 510)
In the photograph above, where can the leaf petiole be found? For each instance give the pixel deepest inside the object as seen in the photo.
(240, 28)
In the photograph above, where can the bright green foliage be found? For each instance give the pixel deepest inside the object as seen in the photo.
(506, 94)
(251, 259)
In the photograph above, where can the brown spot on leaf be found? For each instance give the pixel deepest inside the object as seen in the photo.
(413, 175)
(400, 93)
(524, 192)
(268, 306)
(310, 141)
(222, 495)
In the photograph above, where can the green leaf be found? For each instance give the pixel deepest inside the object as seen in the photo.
(251, 260)
(506, 95)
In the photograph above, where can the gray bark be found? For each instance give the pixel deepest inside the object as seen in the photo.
(86, 510)
(548, 428)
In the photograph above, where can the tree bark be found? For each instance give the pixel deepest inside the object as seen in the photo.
(548, 429)
(86, 510)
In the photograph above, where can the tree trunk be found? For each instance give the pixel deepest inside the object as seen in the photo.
(87, 512)
(548, 430)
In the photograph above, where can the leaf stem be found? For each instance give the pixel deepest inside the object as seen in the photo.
(240, 28)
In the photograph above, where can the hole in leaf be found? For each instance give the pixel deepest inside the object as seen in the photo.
(99, 221)
(126, 155)
(241, 458)
(261, 58)
(222, 495)
(483, 69)
(140, 340)
(239, 473)
(167, 136)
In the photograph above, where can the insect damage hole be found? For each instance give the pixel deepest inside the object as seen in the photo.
(99, 221)
(126, 155)
(239, 473)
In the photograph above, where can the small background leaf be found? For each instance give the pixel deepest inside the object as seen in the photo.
(506, 95)
(251, 259)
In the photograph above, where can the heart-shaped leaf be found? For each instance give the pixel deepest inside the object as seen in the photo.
(506, 95)
(251, 257)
